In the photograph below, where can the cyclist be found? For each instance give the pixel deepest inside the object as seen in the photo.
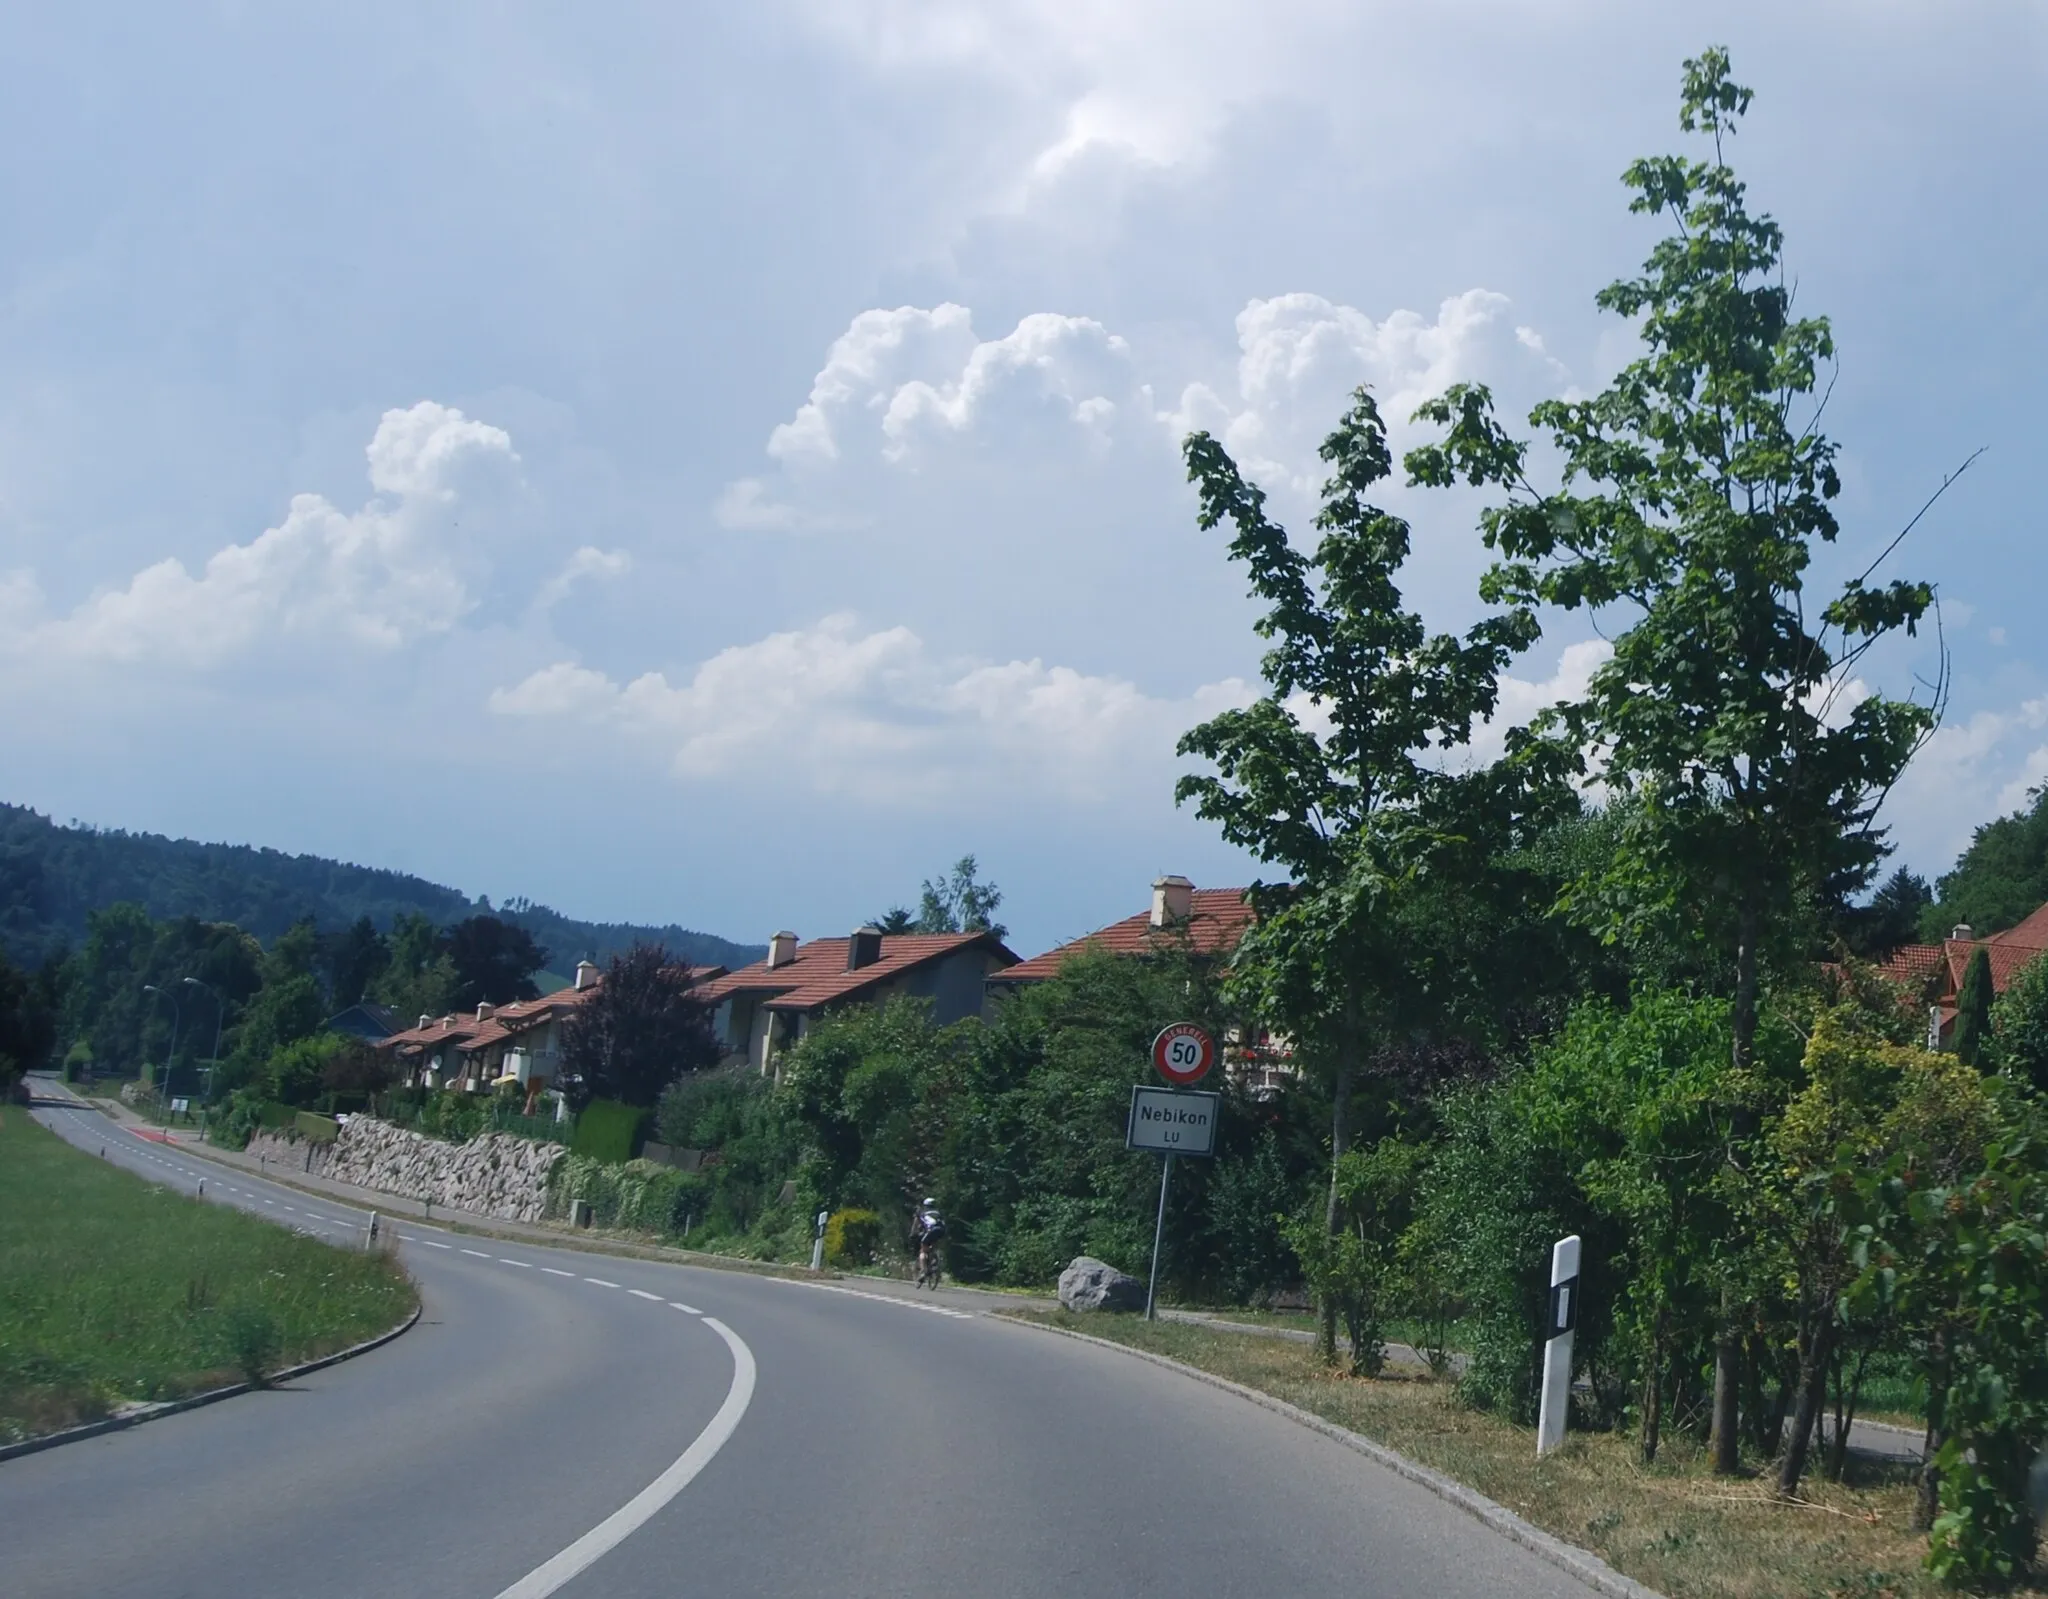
(925, 1234)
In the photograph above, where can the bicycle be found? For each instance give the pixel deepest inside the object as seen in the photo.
(929, 1269)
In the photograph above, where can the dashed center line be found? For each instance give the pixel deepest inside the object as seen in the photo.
(600, 1282)
(556, 1271)
(687, 1310)
(480, 1255)
(502, 1261)
(434, 1243)
(641, 1293)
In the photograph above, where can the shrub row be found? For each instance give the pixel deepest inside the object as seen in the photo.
(638, 1196)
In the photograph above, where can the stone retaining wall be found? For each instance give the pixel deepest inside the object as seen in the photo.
(494, 1174)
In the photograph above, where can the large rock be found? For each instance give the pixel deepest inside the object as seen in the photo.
(1091, 1285)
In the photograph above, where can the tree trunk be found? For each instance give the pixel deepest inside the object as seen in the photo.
(1848, 1394)
(1340, 1133)
(1927, 1504)
(1725, 1445)
(1653, 1390)
(1813, 1378)
(1765, 1425)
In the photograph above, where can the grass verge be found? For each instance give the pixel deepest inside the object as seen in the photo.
(119, 1292)
(1673, 1526)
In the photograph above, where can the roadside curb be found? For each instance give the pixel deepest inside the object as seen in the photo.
(171, 1407)
(1583, 1564)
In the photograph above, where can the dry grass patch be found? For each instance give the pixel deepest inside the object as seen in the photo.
(1673, 1526)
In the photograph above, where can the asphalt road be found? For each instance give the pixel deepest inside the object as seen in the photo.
(683, 1430)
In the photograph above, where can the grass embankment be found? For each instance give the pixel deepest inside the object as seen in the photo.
(115, 1291)
(1673, 1526)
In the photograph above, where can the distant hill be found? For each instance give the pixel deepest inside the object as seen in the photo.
(51, 877)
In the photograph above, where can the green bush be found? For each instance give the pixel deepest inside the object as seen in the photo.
(638, 1195)
(609, 1131)
(853, 1237)
(316, 1129)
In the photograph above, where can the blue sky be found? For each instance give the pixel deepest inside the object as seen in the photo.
(718, 463)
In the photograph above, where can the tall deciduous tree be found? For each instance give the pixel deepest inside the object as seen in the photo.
(1694, 488)
(494, 961)
(1334, 774)
(957, 901)
(644, 1028)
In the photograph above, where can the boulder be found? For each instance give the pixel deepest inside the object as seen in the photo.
(1091, 1285)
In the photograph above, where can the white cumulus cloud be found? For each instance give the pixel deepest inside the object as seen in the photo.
(876, 713)
(380, 577)
(587, 562)
(1301, 355)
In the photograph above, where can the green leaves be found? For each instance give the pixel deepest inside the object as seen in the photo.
(1690, 492)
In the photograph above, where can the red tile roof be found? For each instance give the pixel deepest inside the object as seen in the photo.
(1942, 967)
(816, 975)
(1217, 919)
(2029, 934)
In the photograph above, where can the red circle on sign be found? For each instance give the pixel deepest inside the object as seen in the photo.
(1183, 1054)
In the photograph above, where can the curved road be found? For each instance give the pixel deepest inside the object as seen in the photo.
(886, 1447)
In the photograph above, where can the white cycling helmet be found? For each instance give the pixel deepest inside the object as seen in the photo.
(929, 1201)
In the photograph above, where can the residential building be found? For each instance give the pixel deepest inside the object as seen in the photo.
(519, 1043)
(1933, 973)
(1182, 917)
(364, 1021)
(1207, 921)
(764, 1008)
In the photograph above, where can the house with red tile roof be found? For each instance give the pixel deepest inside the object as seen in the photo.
(519, 1043)
(1182, 918)
(1209, 921)
(1933, 973)
(762, 1009)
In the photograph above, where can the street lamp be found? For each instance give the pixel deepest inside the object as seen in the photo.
(164, 1088)
(220, 1012)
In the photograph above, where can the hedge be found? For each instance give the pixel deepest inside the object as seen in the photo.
(609, 1131)
(637, 1195)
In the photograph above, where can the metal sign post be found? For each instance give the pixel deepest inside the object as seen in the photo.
(1173, 1120)
(1557, 1345)
(1158, 1228)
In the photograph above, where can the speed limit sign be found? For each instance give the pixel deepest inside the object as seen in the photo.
(1183, 1054)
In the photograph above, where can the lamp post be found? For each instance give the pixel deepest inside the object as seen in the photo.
(164, 1087)
(220, 1013)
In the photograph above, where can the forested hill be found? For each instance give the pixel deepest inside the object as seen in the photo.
(51, 877)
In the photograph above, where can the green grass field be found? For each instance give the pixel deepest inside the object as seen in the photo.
(114, 1290)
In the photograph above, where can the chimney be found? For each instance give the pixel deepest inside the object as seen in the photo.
(1173, 900)
(426, 1021)
(586, 975)
(864, 948)
(1963, 933)
(484, 1010)
(781, 949)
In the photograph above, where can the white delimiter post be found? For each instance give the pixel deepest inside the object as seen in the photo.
(1557, 1348)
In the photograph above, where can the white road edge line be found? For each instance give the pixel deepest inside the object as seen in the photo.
(636, 1512)
(880, 1299)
